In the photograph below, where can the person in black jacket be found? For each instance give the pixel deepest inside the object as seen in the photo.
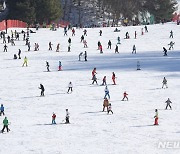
(42, 89)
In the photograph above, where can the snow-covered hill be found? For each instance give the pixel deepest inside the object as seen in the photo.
(129, 130)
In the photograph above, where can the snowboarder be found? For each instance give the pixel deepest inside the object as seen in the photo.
(113, 78)
(25, 61)
(19, 54)
(100, 33)
(125, 96)
(67, 117)
(105, 104)
(109, 44)
(70, 86)
(110, 108)
(165, 51)
(57, 48)
(118, 39)
(106, 90)
(104, 81)
(134, 49)
(94, 79)
(2, 110)
(53, 118)
(156, 117)
(116, 49)
(60, 66)
(47, 65)
(138, 65)
(168, 102)
(171, 34)
(42, 89)
(50, 46)
(5, 123)
(85, 56)
(164, 83)
(171, 44)
(5, 48)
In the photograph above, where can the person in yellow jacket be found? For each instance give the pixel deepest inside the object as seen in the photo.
(25, 61)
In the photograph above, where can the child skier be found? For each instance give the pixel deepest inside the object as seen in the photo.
(25, 61)
(1, 110)
(105, 104)
(106, 90)
(104, 81)
(42, 89)
(47, 65)
(156, 117)
(125, 96)
(67, 117)
(5, 123)
(164, 83)
(168, 102)
(110, 108)
(53, 118)
(70, 86)
(113, 78)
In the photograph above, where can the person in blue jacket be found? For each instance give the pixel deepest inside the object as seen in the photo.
(1, 110)
(106, 90)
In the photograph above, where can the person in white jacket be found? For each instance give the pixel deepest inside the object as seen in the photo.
(70, 86)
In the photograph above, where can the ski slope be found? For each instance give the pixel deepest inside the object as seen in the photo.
(129, 130)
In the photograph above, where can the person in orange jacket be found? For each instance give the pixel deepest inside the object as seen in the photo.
(125, 96)
(113, 78)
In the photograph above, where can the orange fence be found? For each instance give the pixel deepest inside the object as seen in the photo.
(12, 23)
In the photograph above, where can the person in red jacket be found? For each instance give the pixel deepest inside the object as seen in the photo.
(100, 48)
(53, 118)
(125, 96)
(113, 78)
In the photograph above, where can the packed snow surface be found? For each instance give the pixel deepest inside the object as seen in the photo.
(129, 130)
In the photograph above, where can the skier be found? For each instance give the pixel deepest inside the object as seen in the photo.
(142, 32)
(65, 31)
(134, 49)
(99, 43)
(80, 55)
(106, 90)
(156, 117)
(53, 118)
(19, 54)
(127, 35)
(113, 78)
(12, 42)
(94, 72)
(82, 38)
(105, 104)
(50, 46)
(57, 48)
(168, 102)
(2, 110)
(42, 89)
(73, 32)
(69, 41)
(47, 65)
(69, 48)
(60, 66)
(100, 48)
(118, 39)
(70, 86)
(25, 61)
(125, 96)
(29, 46)
(135, 35)
(67, 117)
(35, 47)
(85, 43)
(5, 48)
(171, 44)
(164, 83)
(104, 81)
(9, 39)
(85, 32)
(109, 44)
(110, 108)
(171, 34)
(165, 51)
(5, 123)
(116, 49)
(145, 27)
(100, 33)
(27, 40)
(94, 79)
(138, 65)
(85, 56)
